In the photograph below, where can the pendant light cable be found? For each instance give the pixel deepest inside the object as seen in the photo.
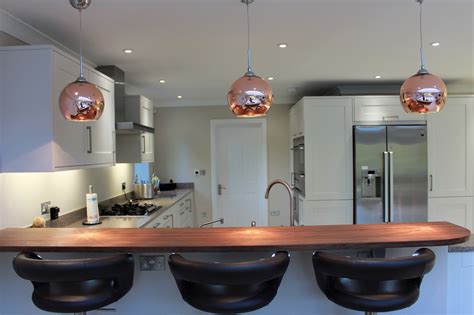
(422, 53)
(249, 67)
(81, 74)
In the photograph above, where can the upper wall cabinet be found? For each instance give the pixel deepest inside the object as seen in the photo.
(450, 149)
(36, 137)
(297, 120)
(328, 148)
(137, 147)
(381, 108)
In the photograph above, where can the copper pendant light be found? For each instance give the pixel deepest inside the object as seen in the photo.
(423, 92)
(250, 96)
(81, 100)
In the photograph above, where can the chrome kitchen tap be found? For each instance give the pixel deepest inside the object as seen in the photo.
(290, 193)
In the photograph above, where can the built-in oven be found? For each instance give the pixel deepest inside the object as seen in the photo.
(298, 165)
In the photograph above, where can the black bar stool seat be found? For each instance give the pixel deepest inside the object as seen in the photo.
(229, 287)
(372, 284)
(76, 285)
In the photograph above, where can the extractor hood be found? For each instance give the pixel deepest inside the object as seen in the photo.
(122, 125)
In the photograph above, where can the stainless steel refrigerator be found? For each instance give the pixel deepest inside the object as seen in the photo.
(390, 174)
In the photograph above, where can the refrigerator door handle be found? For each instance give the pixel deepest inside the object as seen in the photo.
(386, 196)
(391, 187)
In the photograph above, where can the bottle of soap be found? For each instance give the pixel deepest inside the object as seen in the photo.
(92, 207)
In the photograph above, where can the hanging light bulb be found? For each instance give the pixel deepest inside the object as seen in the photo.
(81, 100)
(249, 96)
(423, 92)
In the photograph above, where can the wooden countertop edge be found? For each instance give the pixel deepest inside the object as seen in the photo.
(308, 238)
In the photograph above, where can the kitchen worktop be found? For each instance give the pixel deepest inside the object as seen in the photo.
(165, 199)
(348, 236)
(463, 247)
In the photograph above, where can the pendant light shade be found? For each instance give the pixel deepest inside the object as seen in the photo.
(81, 100)
(423, 92)
(250, 95)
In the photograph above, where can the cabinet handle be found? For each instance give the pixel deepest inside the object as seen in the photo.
(182, 204)
(144, 143)
(157, 225)
(390, 117)
(431, 182)
(89, 129)
(181, 213)
(166, 217)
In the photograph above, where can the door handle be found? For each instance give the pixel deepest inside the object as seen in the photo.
(89, 129)
(220, 188)
(385, 186)
(391, 187)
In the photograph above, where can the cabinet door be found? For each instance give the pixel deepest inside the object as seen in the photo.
(147, 147)
(381, 108)
(292, 120)
(450, 149)
(100, 134)
(327, 212)
(328, 149)
(69, 145)
(146, 112)
(457, 210)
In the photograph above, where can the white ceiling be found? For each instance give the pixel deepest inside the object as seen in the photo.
(199, 47)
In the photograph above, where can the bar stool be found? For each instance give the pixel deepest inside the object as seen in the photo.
(229, 287)
(374, 284)
(76, 285)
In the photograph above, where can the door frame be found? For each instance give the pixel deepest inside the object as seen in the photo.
(262, 124)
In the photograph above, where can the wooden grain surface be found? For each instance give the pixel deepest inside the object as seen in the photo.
(232, 239)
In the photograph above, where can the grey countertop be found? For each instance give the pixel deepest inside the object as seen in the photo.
(165, 199)
(463, 247)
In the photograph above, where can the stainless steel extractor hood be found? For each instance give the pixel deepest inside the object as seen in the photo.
(122, 125)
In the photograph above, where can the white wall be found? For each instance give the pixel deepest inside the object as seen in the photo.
(22, 193)
(182, 144)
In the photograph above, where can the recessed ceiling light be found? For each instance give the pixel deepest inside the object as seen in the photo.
(378, 76)
(180, 97)
(128, 51)
(282, 45)
(162, 81)
(435, 44)
(270, 78)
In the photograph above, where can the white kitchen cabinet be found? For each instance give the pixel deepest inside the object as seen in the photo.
(39, 138)
(137, 147)
(450, 149)
(381, 108)
(328, 148)
(296, 122)
(165, 220)
(326, 212)
(457, 210)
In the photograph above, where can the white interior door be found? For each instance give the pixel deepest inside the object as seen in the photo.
(239, 171)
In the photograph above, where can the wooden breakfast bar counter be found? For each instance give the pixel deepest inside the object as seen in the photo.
(155, 292)
(250, 239)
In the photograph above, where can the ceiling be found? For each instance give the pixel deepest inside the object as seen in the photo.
(199, 47)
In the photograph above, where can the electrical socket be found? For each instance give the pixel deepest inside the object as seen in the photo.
(45, 207)
(124, 186)
(275, 213)
(152, 262)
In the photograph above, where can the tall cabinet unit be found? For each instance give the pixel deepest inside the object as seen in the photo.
(327, 128)
(326, 123)
(450, 162)
(37, 75)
